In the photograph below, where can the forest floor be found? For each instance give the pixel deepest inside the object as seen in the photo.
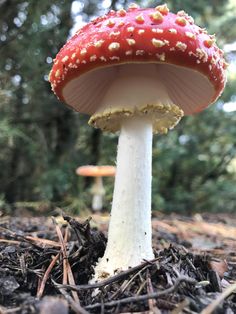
(46, 264)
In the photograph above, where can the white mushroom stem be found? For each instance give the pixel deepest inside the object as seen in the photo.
(129, 236)
(97, 202)
(98, 192)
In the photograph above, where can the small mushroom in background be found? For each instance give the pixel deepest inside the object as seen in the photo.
(97, 190)
(138, 72)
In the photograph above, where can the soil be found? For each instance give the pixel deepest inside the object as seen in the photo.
(46, 265)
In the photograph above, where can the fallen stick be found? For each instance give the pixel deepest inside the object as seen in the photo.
(46, 275)
(145, 296)
(212, 306)
(67, 272)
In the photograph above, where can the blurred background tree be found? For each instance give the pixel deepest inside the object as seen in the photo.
(42, 142)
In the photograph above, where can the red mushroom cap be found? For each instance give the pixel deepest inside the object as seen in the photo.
(138, 36)
(96, 171)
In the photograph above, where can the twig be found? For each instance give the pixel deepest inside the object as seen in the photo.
(108, 281)
(63, 249)
(28, 239)
(67, 272)
(125, 286)
(46, 275)
(141, 287)
(212, 306)
(70, 274)
(38, 286)
(9, 241)
(145, 296)
(65, 259)
(43, 241)
(151, 302)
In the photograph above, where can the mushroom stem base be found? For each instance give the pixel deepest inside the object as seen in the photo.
(129, 235)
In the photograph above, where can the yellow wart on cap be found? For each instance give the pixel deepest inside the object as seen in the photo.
(114, 46)
(130, 41)
(141, 31)
(157, 16)
(158, 43)
(98, 43)
(162, 9)
(157, 30)
(130, 29)
(189, 18)
(58, 73)
(83, 51)
(172, 31)
(181, 21)
(73, 56)
(209, 42)
(129, 52)
(115, 33)
(65, 59)
(190, 35)
(140, 52)
(121, 12)
(139, 19)
(110, 23)
(181, 46)
(93, 58)
(161, 56)
(102, 58)
(133, 6)
(115, 58)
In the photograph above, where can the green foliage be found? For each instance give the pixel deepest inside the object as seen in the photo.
(42, 142)
(194, 158)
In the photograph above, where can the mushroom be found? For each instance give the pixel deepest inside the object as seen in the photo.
(97, 190)
(138, 72)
